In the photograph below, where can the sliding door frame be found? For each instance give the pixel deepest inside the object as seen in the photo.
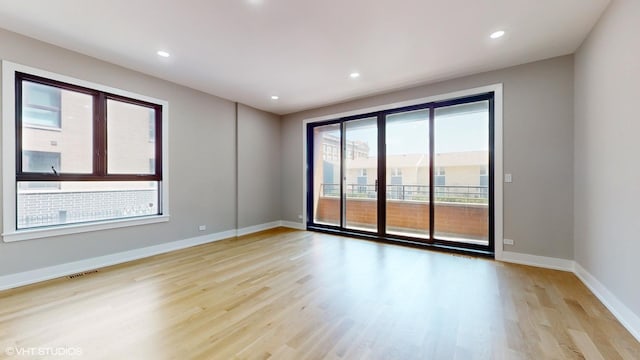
(381, 234)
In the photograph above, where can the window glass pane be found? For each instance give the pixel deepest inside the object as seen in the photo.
(461, 193)
(130, 143)
(407, 140)
(57, 130)
(361, 192)
(40, 161)
(326, 175)
(41, 105)
(76, 202)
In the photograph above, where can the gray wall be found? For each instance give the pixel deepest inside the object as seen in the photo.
(258, 167)
(202, 160)
(538, 151)
(607, 171)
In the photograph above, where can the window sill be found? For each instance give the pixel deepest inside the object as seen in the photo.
(28, 234)
(43, 127)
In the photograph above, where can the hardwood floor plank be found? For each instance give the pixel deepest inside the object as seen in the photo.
(285, 294)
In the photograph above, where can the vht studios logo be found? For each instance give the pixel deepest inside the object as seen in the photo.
(43, 351)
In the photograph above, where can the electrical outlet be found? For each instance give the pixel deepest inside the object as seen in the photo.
(202, 227)
(508, 241)
(300, 216)
(508, 178)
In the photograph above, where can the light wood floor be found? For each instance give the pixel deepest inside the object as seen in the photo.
(287, 294)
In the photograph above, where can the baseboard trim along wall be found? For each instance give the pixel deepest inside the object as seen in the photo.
(262, 227)
(627, 318)
(539, 261)
(34, 276)
(293, 225)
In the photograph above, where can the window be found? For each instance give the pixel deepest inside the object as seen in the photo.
(440, 177)
(396, 178)
(152, 126)
(438, 146)
(41, 162)
(80, 154)
(484, 176)
(362, 180)
(40, 105)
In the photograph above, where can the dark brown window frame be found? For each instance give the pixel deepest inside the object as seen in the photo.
(99, 147)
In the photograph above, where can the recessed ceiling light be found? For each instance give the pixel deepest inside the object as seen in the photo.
(497, 34)
(275, 97)
(163, 53)
(354, 75)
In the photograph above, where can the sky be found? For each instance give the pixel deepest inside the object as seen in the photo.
(408, 133)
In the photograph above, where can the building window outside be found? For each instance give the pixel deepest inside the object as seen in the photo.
(152, 127)
(100, 164)
(484, 177)
(362, 181)
(395, 189)
(41, 162)
(41, 105)
(440, 177)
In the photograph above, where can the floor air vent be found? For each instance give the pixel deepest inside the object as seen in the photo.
(82, 274)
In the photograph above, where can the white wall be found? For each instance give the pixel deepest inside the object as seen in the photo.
(607, 148)
(538, 150)
(202, 158)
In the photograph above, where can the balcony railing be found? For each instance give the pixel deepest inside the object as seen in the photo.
(462, 194)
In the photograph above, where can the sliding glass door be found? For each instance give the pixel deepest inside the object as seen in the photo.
(421, 174)
(326, 191)
(407, 173)
(361, 174)
(461, 163)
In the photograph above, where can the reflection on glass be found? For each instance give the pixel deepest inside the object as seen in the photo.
(461, 162)
(407, 140)
(361, 174)
(57, 128)
(326, 175)
(130, 138)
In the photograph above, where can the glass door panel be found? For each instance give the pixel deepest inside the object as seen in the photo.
(326, 174)
(461, 168)
(360, 185)
(407, 175)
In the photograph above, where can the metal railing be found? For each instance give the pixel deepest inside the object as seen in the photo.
(444, 193)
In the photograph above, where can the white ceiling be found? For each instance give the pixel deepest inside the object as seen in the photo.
(303, 50)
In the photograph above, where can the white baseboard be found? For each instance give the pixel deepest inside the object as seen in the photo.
(47, 273)
(538, 261)
(293, 225)
(56, 271)
(252, 229)
(627, 318)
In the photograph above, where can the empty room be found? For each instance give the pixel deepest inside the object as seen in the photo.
(286, 179)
